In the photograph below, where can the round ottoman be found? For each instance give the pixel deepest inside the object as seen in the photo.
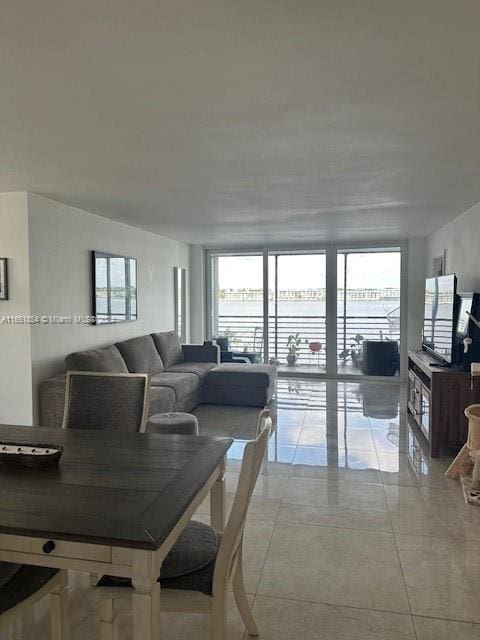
(175, 422)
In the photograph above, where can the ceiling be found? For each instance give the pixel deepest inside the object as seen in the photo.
(245, 122)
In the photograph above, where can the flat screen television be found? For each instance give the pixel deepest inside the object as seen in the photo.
(114, 288)
(439, 317)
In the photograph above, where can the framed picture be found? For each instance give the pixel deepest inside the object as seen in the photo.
(3, 279)
(439, 264)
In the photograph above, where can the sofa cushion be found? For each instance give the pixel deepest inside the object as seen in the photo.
(182, 383)
(200, 369)
(162, 400)
(169, 347)
(141, 355)
(237, 395)
(242, 375)
(108, 360)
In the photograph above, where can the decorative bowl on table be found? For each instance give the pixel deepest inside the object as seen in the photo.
(30, 455)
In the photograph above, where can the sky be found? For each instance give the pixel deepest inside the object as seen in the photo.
(369, 270)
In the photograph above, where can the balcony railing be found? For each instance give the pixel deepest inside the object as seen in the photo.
(246, 334)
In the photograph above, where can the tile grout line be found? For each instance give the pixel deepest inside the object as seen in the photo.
(387, 611)
(392, 532)
(268, 547)
(349, 606)
(400, 565)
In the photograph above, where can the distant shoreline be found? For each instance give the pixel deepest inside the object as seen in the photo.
(252, 295)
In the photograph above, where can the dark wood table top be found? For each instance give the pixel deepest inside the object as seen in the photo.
(119, 489)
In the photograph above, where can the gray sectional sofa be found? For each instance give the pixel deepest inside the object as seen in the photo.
(181, 376)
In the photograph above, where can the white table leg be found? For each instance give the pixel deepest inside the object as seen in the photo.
(146, 597)
(107, 619)
(59, 609)
(217, 500)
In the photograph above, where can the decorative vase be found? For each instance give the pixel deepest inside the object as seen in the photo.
(291, 360)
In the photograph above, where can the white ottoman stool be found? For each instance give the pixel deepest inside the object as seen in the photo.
(175, 422)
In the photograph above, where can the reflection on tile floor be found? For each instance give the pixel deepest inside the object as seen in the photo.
(352, 532)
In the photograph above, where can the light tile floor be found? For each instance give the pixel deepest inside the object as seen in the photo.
(352, 534)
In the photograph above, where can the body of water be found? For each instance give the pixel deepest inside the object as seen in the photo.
(302, 308)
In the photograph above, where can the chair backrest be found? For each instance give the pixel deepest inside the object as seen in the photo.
(263, 417)
(108, 401)
(232, 538)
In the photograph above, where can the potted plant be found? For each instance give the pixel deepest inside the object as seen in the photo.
(293, 347)
(356, 349)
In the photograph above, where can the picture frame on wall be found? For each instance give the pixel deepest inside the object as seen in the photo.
(439, 266)
(3, 279)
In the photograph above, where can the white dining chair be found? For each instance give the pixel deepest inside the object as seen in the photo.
(110, 401)
(263, 416)
(26, 586)
(211, 596)
(106, 401)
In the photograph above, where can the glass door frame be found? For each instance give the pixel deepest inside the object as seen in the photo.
(359, 248)
(295, 251)
(210, 273)
(331, 251)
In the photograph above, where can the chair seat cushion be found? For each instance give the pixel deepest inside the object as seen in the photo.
(190, 563)
(241, 375)
(200, 369)
(200, 580)
(182, 383)
(7, 571)
(23, 580)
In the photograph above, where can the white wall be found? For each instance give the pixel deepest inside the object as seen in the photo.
(461, 239)
(416, 260)
(197, 293)
(15, 370)
(60, 239)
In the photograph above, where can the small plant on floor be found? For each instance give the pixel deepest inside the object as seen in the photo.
(356, 348)
(293, 346)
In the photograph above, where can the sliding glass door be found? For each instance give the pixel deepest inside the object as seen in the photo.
(297, 310)
(334, 311)
(237, 305)
(368, 311)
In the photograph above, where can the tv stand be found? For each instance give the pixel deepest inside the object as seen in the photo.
(440, 365)
(437, 398)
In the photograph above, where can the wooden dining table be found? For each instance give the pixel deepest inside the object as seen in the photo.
(115, 504)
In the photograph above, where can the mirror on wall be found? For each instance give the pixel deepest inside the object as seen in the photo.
(114, 290)
(180, 302)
